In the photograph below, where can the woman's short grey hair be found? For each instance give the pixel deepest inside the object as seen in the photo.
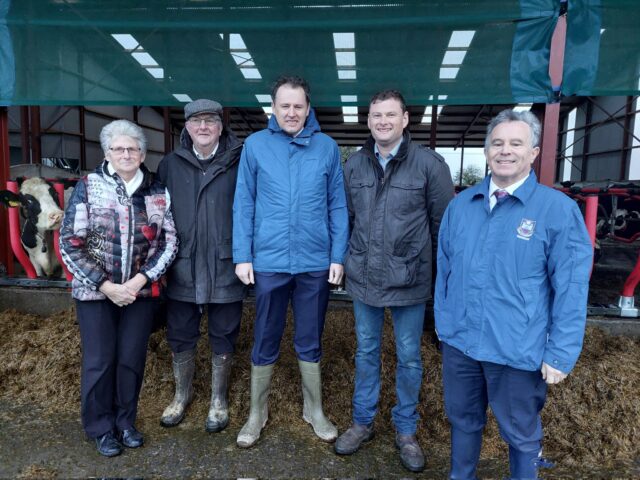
(122, 127)
(513, 116)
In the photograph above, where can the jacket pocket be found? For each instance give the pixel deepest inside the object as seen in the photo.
(361, 191)
(530, 293)
(181, 272)
(225, 269)
(406, 196)
(401, 271)
(354, 265)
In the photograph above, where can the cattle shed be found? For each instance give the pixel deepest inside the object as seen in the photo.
(69, 66)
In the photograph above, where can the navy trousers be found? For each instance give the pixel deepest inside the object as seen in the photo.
(309, 295)
(516, 398)
(114, 350)
(183, 325)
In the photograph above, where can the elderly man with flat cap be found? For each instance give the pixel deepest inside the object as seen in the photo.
(201, 178)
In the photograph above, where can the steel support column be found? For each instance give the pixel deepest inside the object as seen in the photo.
(83, 140)
(36, 145)
(6, 258)
(434, 127)
(552, 110)
(24, 135)
(167, 130)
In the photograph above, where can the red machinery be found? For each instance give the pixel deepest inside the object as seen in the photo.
(591, 194)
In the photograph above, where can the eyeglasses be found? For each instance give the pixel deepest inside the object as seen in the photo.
(388, 116)
(208, 121)
(121, 150)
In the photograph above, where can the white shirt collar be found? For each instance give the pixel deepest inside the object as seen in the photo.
(200, 157)
(510, 189)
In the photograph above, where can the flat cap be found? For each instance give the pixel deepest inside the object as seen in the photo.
(202, 105)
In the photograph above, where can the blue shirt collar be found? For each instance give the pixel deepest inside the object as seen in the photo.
(392, 153)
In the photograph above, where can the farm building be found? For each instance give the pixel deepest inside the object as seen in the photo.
(68, 67)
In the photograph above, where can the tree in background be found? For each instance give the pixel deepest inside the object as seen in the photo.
(470, 176)
(346, 151)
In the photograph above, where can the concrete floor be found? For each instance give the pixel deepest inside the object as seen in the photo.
(35, 444)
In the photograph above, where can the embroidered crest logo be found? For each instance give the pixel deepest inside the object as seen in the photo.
(526, 228)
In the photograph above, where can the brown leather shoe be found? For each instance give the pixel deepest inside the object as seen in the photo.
(410, 452)
(351, 440)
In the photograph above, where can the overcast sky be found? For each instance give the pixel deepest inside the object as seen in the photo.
(472, 156)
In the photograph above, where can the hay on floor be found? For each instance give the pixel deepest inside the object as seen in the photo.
(593, 418)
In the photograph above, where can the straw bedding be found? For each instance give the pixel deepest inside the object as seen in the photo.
(593, 418)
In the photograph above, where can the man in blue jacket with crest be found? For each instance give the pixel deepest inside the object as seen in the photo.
(290, 233)
(514, 259)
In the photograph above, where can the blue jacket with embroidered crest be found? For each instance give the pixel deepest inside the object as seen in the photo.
(290, 211)
(512, 283)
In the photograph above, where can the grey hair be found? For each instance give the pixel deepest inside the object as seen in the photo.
(509, 115)
(122, 127)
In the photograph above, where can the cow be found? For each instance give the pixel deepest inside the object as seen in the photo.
(41, 214)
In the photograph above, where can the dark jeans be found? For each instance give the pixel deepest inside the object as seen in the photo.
(407, 330)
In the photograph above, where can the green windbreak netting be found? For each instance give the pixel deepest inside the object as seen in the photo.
(159, 52)
(603, 48)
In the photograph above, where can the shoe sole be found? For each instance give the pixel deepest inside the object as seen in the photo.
(352, 451)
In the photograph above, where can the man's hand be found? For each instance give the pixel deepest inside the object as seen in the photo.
(551, 375)
(244, 271)
(119, 294)
(336, 272)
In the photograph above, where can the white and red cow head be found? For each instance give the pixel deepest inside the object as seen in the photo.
(42, 215)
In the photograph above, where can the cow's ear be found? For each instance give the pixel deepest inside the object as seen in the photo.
(9, 199)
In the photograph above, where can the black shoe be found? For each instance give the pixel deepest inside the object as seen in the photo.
(108, 445)
(410, 452)
(351, 440)
(132, 438)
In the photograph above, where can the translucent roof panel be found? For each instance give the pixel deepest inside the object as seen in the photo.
(153, 52)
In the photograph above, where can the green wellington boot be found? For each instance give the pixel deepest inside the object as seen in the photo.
(312, 410)
(260, 383)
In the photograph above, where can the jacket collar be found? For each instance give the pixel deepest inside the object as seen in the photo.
(311, 127)
(402, 151)
(103, 171)
(522, 193)
(228, 141)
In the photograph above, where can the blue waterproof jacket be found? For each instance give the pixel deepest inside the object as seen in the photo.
(290, 211)
(512, 283)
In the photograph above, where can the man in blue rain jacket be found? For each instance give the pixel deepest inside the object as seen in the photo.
(514, 259)
(290, 233)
